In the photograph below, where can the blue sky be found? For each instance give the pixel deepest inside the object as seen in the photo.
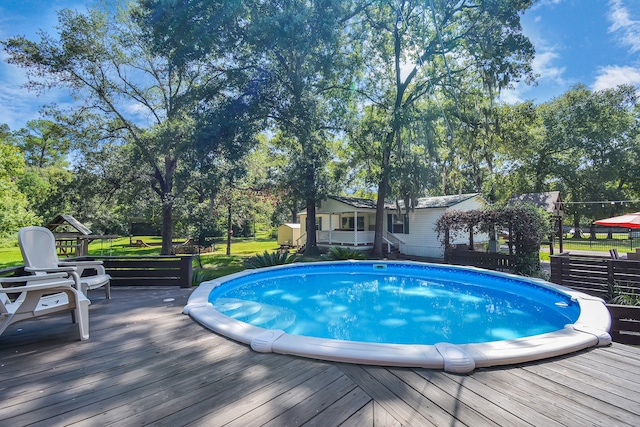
(593, 42)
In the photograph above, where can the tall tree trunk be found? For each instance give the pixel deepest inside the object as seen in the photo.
(294, 211)
(229, 229)
(167, 226)
(311, 248)
(165, 185)
(383, 185)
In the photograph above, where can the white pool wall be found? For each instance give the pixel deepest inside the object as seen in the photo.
(590, 330)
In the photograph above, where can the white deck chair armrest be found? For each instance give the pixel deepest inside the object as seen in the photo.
(20, 279)
(84, 265)
(59, 285)
(68, 269)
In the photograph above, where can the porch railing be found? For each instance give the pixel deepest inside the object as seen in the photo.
(346, 237)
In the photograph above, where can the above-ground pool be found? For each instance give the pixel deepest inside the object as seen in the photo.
(400, 314)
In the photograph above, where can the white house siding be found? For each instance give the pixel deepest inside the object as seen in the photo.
(424, 241)
(335, 221)
(468, 205)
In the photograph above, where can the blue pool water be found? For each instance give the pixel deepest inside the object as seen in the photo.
(394, 303)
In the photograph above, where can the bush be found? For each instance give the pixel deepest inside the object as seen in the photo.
(270, 259)
(528, 223)
(337, 253)
(615, 295)
(202, 275)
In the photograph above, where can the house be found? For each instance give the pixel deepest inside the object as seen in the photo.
(343, 221)
(349, 221)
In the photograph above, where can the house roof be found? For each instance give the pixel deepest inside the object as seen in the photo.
(356, 202)
(291, 224)
(422, 203)
(441, 201)
(549, 200)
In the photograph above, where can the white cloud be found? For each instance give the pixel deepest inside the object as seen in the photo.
(543, 65)
(613, 76)
(550, 76)
(543, 3)
(511, 96)
(624, 26)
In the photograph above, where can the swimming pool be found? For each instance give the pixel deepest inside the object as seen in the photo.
(400, 314)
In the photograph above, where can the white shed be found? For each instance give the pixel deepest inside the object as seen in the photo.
(288, 234)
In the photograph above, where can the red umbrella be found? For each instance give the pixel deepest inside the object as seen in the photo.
(631, 220)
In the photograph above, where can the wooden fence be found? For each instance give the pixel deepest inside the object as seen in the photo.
(600, 276)
(163, 270)
(488, 260)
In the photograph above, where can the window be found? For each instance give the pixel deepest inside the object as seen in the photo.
(398, 224)
(347, 223)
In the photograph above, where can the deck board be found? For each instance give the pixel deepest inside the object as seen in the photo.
(147, 364)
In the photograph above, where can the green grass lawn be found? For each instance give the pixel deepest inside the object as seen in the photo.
(10, 256)
(217, 263)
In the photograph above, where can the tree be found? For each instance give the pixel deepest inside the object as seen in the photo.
(582, 143)
(44, 143)
(46, 146)
(105, 190)
(14, 211)
(148, 91)
(415, 46)
(306, 61)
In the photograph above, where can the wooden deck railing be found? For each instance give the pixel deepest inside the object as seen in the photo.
(163, 270)
(595, 275)
(488, 260)
(598, 276)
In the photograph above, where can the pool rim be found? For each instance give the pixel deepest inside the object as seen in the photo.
(590, 329)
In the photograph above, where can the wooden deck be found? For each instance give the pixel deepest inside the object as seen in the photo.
(147, 364)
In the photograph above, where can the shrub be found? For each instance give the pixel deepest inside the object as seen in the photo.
(202, 275)
(615, 295)
(337, 253)
(270, 259)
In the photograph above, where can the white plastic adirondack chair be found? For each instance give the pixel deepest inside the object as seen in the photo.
(43, 295)
(38, 247)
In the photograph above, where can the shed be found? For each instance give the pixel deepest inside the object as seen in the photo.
(72, 236)
(288, 234)
(549, 201)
